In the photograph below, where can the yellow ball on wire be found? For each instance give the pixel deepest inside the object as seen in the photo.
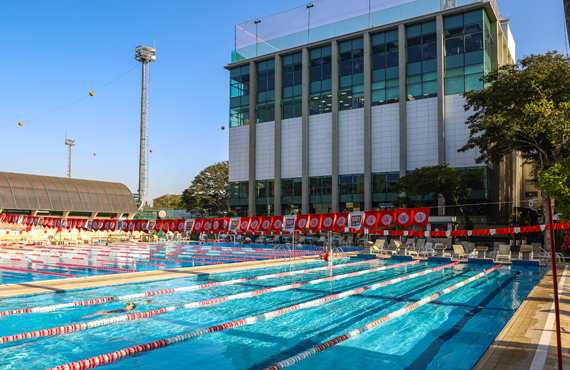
(223, 127)
(151, 150)
(92, 93)
(94, 153)
(20, 123)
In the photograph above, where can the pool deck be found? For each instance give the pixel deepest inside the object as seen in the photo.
(517, 345)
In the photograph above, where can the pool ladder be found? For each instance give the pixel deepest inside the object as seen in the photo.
(288, 255)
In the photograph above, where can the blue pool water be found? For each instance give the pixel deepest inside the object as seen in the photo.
(450, 333)
(139, 257)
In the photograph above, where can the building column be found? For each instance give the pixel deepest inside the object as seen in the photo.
(403, 99)
(367, 123)
(305, 134)
(440, 103)
(335, 129)
(495, 45)
(252, 136)
(277, 163)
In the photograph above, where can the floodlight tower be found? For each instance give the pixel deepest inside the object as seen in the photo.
(145, 55)
(71, 143)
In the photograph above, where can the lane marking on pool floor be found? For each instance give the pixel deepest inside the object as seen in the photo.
(181, 289)
(541, 354)
(209, 302)
(117, 355)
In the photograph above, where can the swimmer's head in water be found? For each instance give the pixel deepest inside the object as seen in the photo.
(131, 306)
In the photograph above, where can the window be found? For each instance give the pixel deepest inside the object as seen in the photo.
(291, 104)
(239, 96)
(385, 81)
(351, 184)
(239, 190)
(351, 74)
(320, 95)
(264, 189)
(531, 194)
(320, 185)
(467, 51)
(265, 103)
(291, 187)
(421, 48)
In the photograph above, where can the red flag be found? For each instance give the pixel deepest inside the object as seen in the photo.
(180, 225)
(207, 225)
(404, 217)
(165, 225)
(225, 224)
(265, 224)
(112, 225)
(172, 225)
(328, 220)
(301, 222)
(244, 223)
(131, 226)
(276, 223)
(421, 216)
(385, 218)
(216, 224)
(157, 225)
(197, 226)
(340, 223)
(315, 222)
(253, 224)
(371, 219)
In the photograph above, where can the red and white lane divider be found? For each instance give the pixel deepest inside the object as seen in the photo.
(176, 290)
(208, 302)
(354, 333)
(118, 355)
(19, 269)
(95, 267)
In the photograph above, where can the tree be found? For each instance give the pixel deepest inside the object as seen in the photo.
(167, 201)
(452, 184)
(209, 190)
(525, 109)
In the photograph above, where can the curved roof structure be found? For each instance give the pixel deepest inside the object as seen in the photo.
(33, 192)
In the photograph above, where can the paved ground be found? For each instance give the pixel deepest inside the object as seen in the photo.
(517, 344)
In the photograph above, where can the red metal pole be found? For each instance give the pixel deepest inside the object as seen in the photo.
(294, 244)
(555, 283)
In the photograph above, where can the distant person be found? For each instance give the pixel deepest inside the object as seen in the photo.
(246, 240)
(129, 307)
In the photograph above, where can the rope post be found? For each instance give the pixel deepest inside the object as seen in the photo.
(555, 283)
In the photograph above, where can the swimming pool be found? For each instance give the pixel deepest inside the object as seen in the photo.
(36, 263)
(450, 333)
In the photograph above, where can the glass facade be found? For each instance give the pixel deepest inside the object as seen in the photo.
(421, 56)
(467, 39)
(265, 107)
(382, 186)
(238, 193)
(385, 81)
(239, 96)
(351, 74)
(320, 89)
(292, 86)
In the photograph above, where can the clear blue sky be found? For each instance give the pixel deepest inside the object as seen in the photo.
(55, 52)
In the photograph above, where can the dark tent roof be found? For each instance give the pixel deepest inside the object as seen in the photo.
(32, 192)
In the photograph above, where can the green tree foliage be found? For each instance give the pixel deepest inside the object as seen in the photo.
(452, 184)
(526, 109)
(556, 181)
(209, 190)
(167, 201)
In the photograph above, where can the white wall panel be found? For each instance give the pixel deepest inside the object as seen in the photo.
(457, 133)
(265, 151)
(320, 145)
(239, 153)
(385, 138)
(351, 141)
(421, 117)
(291, 148)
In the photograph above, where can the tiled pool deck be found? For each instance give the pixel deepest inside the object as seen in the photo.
(514, 348)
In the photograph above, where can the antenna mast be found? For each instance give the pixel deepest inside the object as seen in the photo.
(145, 55)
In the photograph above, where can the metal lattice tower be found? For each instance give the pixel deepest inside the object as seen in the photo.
(145, 55)
(71, 143)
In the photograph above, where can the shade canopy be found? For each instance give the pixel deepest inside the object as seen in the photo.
(47, 193)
